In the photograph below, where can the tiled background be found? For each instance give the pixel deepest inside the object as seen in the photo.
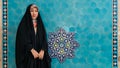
(91, 20)
(0, 33)
(119, 33)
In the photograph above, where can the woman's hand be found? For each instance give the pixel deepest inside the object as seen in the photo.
(41, 54)
(35, 53)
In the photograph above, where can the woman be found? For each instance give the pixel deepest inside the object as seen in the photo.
(31, 43)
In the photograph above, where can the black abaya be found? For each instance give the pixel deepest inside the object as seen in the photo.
(26, 39)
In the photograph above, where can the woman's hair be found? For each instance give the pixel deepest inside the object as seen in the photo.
(33, 6)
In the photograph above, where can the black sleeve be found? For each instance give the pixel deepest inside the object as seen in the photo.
(25, 37)
(28, 42)
(44, 41)
(23, 44)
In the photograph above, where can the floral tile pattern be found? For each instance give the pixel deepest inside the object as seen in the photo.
(62, 44)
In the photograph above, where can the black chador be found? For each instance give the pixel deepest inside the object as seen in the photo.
(26, 39)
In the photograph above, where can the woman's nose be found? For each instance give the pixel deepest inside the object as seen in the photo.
(34, 13)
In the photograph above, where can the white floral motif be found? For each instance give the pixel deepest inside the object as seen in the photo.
(61, 45)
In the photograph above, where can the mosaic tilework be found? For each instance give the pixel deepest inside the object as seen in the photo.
(115, 40)
(91, 21)
(4, 37)
(1, 34)
(62, 44)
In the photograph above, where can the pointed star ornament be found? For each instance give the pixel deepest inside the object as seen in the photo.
(61, 44)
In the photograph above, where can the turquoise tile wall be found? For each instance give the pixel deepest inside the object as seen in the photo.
(91, 20)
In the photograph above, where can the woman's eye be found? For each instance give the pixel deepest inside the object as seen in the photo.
(36, 11)
(31, 10)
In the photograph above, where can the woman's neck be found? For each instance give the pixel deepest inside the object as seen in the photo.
(34, 21)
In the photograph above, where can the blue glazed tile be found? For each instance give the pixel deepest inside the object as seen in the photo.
(91, 21)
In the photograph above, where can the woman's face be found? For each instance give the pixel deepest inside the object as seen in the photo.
(34, 12)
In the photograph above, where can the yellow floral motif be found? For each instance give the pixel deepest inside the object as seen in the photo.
(63, 45)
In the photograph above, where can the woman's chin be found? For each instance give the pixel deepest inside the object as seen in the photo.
(34, 18)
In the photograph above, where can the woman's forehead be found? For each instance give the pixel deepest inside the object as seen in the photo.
(34, 6)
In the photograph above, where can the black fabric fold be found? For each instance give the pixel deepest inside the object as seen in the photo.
(26, 39)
